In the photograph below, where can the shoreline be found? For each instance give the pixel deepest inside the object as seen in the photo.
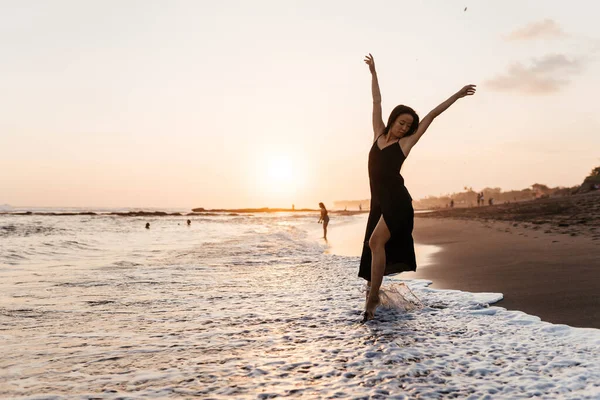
(550, 275)
(547, 274)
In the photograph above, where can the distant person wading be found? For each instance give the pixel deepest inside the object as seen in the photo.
(388, 247)
(324, 218)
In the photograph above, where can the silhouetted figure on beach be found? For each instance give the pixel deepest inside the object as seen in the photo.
(388, 247)
(451, 203)
(324, 218)
(189, 222)
(478, 199)
(147, 225)
(359, 207)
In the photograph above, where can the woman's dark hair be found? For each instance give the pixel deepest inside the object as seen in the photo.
(321, 205)
(396, 112)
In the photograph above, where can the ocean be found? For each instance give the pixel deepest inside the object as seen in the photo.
(252, 306)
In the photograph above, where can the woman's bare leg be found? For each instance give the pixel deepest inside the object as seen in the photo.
(379, 237)
(325, 223)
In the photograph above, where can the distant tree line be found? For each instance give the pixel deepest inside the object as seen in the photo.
(468, 198)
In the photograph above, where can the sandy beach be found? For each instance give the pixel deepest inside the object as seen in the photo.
(577, 215)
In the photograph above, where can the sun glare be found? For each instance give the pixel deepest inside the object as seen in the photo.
(280, 171)
(279, 177)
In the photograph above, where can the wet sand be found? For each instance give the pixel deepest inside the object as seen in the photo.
(551, 275)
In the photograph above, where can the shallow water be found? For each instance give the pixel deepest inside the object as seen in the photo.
(251, 306)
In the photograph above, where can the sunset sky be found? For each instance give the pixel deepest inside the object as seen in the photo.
(267, 103)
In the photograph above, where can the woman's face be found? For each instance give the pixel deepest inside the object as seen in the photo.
(401, 125)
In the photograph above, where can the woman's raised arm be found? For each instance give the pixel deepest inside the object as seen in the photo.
(378, 125)
(467, 90)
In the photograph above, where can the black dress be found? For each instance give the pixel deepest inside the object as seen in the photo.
(390, 198)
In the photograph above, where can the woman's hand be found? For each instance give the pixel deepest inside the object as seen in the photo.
(468, 90)
(370, 61)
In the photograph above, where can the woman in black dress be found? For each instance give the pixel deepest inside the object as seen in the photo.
(388, 246)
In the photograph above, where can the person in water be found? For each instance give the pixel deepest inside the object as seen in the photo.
(388, 247)
(324, 218)
(147, 225)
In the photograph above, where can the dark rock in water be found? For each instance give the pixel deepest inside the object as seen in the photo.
(143, 214)
(91, 213)
(204, 213)
(199, 209)
(62, 214)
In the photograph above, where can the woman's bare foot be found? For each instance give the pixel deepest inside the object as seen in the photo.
(370, 307)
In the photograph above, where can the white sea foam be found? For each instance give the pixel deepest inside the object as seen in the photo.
(253, 309)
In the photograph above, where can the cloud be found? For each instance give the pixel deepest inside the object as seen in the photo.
(546, 29)
(545, 75)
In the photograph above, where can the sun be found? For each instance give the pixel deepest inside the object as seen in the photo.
(280, 171)
(280, 177)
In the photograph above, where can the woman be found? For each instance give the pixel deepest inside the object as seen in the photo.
(325, 218)
(388, 246)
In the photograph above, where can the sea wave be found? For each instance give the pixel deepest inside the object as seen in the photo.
(251, 308)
